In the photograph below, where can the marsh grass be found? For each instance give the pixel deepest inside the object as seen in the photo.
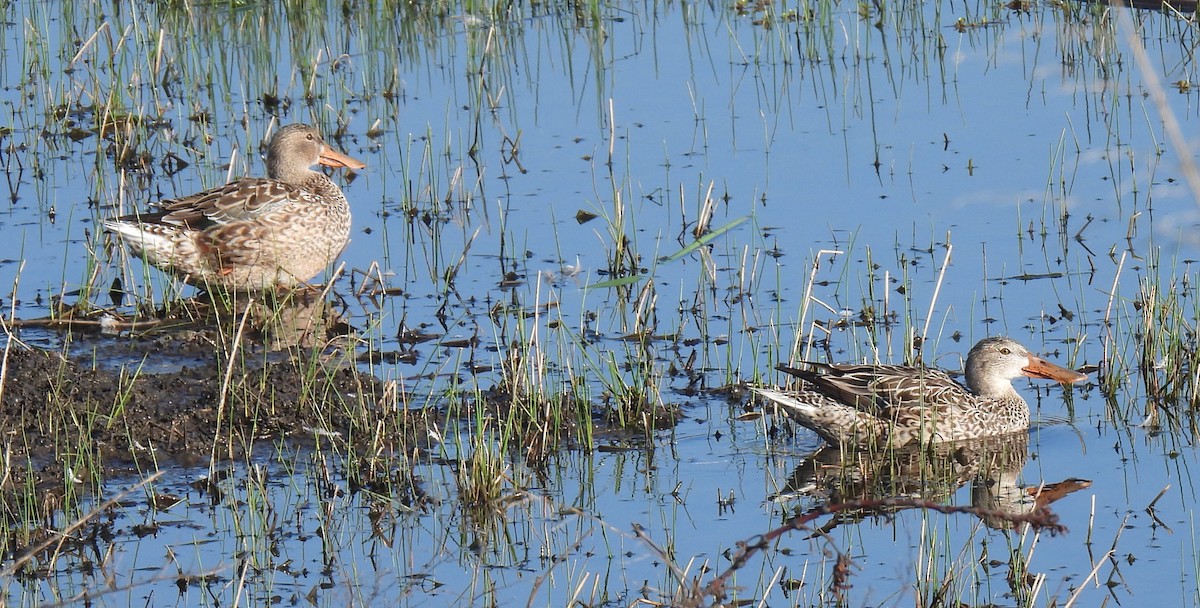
(1158, 345)
(539, 374)
(1165, 341)
(482, 474)
(128, 126)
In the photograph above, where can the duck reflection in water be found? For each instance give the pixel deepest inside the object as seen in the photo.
(992, 467)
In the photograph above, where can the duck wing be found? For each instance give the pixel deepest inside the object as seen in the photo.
(888, 391)
(238, 201)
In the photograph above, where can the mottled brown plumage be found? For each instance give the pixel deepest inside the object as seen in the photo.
(253, 233)
(861, 405)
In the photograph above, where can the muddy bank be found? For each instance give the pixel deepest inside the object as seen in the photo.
(70, 415)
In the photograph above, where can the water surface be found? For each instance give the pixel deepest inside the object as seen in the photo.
(1020, 147)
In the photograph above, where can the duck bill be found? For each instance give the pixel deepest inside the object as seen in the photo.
(337, 160)
(1041, 368)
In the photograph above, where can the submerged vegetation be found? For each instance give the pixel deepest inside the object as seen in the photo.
(584, 229)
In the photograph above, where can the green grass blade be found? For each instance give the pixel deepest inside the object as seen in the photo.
(704, 240)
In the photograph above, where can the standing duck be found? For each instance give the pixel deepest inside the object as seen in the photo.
(867, 405)
(254, 233)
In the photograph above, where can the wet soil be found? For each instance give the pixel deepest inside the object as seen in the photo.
(179, 414)
(99, 408)
(190, 386)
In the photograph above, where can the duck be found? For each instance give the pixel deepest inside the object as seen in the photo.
(252, 234)
(861, 406)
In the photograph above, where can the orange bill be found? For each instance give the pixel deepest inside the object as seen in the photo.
(337, 160)
(1041, 368)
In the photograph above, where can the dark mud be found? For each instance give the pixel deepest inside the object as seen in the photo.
(97, 412)
(176, 413)
(197, 385)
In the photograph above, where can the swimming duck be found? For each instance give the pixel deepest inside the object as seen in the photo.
(864, 405)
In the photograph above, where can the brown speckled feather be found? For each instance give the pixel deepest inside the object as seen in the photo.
(853, 404)
(238, 201)
(886, 391)
(253, 233)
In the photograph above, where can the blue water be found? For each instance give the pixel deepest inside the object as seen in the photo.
(314, 541)
(1025, 146)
